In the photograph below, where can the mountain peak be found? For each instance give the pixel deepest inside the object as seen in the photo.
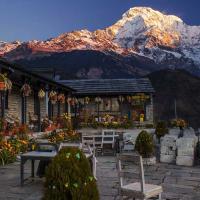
(140, 19)
(147, 13)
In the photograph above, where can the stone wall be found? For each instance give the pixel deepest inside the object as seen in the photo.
(43, 111)
(62, 108)
(14, 103)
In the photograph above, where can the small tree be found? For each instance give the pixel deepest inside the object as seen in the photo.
(69, 177)
(161, 129)
(144, 144)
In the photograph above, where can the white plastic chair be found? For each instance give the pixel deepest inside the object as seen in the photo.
(108, 137)
(135, 190)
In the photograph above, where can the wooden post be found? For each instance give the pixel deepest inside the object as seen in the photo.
(75, 110)
(50, 110)
(39, 116)
(47, 100)
(98, 109)
(37, 108)
(66, 105)
(68, 108)
(23, 109)
(2, 104)
(58, 108)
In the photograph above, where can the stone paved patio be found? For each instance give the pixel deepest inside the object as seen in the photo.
(181, 183)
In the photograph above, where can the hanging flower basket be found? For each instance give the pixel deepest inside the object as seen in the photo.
(140, 98)
(81, 101)
(61, 98)
(5, 83)
(26, 90)
(53, 97)
(87, 100)
(41, 94)
(129, 99)
(68, 100)
(2, 86)
(121, 99)
(74, 101)
(98, 100)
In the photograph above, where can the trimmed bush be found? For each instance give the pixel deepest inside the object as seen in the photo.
(161, 129)
(69, 177)
(144, 144)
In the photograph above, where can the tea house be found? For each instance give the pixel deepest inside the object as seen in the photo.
(28, 98)
(100, 100)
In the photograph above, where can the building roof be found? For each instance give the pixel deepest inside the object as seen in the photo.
(17, 68)
(110, 86)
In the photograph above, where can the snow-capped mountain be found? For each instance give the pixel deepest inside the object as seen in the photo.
(146, 31)
(8, 47)
(142, 33)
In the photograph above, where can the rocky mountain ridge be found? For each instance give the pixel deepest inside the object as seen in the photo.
(141, 33)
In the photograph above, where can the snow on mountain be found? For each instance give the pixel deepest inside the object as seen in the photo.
(7, 47)
(141, 31)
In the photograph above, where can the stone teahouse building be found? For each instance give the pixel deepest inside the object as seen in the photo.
(34, 97)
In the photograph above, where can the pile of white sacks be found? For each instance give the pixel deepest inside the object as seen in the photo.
(168, 146)
(178, 150)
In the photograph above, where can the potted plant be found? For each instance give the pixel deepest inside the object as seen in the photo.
(145, 147)
(5, 83)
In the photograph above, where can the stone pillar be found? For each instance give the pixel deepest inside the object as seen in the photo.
(2, 104)
(149, 110)
(23, 109)
(68, 108)
(47, 101)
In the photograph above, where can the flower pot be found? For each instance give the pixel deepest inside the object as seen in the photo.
(2, 86)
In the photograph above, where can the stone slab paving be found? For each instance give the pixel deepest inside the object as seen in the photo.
(179, 183)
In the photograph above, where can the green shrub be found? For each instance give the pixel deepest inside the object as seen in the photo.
(69, 177)
(144, 144)
(161, 129)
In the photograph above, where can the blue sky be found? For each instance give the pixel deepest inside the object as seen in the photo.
(42, 19)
